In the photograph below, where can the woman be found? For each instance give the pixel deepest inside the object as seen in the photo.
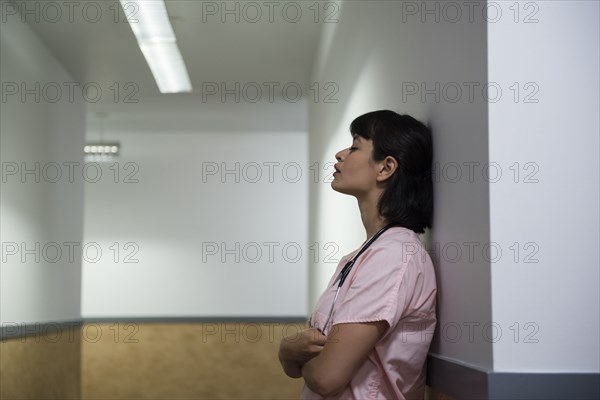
(368, 336)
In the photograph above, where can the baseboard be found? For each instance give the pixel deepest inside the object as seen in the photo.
(463, 381)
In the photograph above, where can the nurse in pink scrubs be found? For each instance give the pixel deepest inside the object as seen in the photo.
(368, 337)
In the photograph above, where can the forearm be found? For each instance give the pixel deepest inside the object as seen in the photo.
(320, 379)
(292, 368)
(309, 372)
(347, 348)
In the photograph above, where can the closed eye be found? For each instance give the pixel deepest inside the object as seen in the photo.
(353, 148)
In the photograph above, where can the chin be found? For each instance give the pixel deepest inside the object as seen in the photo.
(339, 188)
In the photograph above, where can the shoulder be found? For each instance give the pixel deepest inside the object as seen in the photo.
(389, 256)
(400, 246)
(397, 236)
(399, 259)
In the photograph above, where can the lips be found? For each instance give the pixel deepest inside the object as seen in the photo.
(336, 169)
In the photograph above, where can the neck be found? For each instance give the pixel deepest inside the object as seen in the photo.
(369, 214)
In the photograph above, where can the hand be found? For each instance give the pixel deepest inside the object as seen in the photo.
(303, 345)
(297, 349)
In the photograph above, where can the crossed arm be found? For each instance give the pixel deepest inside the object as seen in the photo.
(328, 363)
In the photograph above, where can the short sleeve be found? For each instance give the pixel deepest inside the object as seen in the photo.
(376, 290)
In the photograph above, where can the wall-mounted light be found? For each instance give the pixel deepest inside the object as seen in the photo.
(150, 24)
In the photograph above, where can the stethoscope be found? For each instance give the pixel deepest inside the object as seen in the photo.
(348, 267)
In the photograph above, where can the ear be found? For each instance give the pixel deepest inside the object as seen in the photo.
(387, 168)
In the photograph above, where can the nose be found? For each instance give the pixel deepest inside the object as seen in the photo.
(339, 154)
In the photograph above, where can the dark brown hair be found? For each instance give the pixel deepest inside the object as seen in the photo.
(408, 198)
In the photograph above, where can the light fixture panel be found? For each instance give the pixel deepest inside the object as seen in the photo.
(101, 151)
(150, 24)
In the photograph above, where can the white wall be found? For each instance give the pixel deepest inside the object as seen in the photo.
(44, 212)
(548, 291)
(183, 218)
(376, 54)
(496, 311)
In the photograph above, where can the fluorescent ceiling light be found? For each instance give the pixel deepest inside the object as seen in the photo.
(149, 20)
(150, 24)
(167, 66)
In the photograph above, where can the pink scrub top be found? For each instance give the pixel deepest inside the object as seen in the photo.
(393, 281)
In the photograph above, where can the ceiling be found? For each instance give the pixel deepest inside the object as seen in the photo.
(106, 51)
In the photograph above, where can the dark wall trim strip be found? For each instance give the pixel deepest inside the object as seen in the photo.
(267, 320)
(52, 331)
(462, 381)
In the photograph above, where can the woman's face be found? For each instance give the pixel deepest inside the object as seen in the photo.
(355, 172)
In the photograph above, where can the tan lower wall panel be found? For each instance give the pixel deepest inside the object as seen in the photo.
(185, 361)
(45, 365)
